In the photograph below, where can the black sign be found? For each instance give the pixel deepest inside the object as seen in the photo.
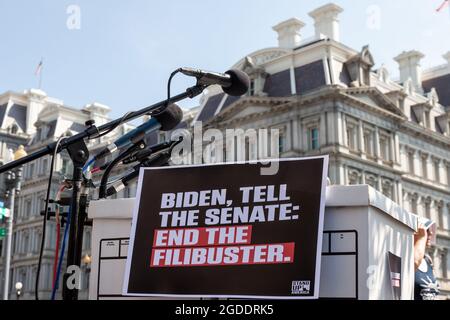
(228, 231)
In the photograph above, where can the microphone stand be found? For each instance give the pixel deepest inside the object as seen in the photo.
(79, 154)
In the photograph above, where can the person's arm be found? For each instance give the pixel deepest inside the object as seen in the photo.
(420, 243)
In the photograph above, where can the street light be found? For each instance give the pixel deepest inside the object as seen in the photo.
(87, 259)
(13, 186)
(19, 287)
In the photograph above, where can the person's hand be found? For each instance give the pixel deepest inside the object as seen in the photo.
(421, 233)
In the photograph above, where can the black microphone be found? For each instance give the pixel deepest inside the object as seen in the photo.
(144, 154)
(159, 160)
(233, 82)
(164, 121)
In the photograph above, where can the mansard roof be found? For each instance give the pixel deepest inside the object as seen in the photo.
(442, 86)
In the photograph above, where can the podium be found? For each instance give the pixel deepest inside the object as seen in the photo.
(361, 228)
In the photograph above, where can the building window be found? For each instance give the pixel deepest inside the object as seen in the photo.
(313, 138)
(281, 142)
(369, 142)
(424, 167)
(354, 177)
(440, 213)
(25, 245)
(428, 208)
(385, 148)
(387, 188)
(44, 166)
(411, 162)
(352, 138)
(13, 129)
(372, 181)
(427, 119)
(436, 171)
(31, 170)
(28, 208)
(414, 204)
(448, 174)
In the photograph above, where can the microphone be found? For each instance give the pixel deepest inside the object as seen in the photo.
(164, 121)
(159, 160)
(156, 148)
(233, 82)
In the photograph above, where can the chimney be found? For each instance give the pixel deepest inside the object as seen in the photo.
(326, 21)
(409, 66)
(447, 57)
(289, 33)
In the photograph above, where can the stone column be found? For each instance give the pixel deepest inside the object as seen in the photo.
(377, 145)
(295, 134)
(344, 129)
(323, 130)
(417, 164)
(442, 172)
(361, 146)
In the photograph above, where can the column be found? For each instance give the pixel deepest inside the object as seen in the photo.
(304, 137)
(295, 134)
(396, 145)
(345, 180)
(361, 146)
(442, 172)
(399, 198)
(379, 184)
(288, 136)
(417, 164)
(323, 130)
(344, 129)
(377, 145)
(334, 128)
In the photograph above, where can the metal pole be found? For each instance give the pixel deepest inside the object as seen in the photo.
(9, 243)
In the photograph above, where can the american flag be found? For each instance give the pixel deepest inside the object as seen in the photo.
(39, 68)
(443, 5)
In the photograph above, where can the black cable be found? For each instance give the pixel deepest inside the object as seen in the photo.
(44, 225)
(153, 113)
(104, 180)
(169, 83)
(111, 165)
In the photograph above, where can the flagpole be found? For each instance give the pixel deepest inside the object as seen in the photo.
(40, 74)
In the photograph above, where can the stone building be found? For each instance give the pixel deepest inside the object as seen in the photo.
(327, 98)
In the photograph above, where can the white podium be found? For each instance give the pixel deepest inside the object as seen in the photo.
(361, 226)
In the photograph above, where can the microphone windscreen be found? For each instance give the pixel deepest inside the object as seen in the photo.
(170, 117)
(239, 83)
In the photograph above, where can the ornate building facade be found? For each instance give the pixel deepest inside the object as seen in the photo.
(326, 98)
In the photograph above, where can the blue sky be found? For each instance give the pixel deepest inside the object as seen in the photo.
(124, 50)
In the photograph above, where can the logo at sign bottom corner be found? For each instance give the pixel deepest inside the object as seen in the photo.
(302, 287)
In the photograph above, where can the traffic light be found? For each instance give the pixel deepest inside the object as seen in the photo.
(2, 232)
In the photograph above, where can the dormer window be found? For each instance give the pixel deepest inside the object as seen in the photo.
(420, 113)
(359, 67)
(257, 77)
(13, 129)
